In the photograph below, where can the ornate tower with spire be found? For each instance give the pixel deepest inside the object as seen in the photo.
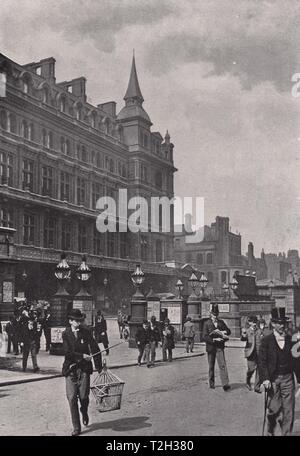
(151, 168)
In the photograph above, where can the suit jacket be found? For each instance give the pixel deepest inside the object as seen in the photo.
(208, 327)
(253, 340)
(74, 349)
(268, 358)
(168, 339)
(30, 335)
(143, 336)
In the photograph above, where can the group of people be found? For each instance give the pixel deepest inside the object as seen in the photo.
(149, 335)
(271, 355)
(24, 331)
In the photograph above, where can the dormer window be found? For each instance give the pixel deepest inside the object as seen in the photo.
(62, 104)
(45, 96)
(38, 71)
(25, 87)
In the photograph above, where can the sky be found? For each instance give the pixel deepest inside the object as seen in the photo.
(216, 73)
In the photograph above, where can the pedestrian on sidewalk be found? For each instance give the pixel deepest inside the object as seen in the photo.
(30, 339)
(154, 338)
(46, 326)
(168, 342)
(252, 337)
(121, 322)
(142, 339)
(276, 369)
(215, 333)
(10, 329)
(188, 334)
(78, 345)
(101, 331)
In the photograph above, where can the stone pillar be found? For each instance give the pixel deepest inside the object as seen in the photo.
(138, 306)
(7, 273)
(194, 311)
(60, 305)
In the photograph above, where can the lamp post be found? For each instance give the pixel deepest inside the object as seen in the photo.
(179, 286)
(203, 283)
(59, 306)
(24, 278)
(105, 283)
(83, 300)
(194, 306)
(138, 304)
(193, 281)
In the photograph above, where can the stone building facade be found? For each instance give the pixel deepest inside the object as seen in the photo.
(58, 155)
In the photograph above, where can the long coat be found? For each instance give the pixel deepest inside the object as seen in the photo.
(168, 339)
(268, 358)
(208, 328)
(74, 349)
(101, 327)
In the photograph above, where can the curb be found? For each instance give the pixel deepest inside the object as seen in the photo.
(115, 366)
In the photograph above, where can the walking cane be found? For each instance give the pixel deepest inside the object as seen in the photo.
(100, 351)
(265, 411)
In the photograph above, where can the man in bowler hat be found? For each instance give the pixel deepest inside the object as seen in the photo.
(79, 345)
(215, 332)
(252, 335)
(276, 370)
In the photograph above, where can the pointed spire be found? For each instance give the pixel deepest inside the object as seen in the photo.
(133, 90)
(167, 138)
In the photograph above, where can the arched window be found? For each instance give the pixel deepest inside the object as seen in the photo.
(25, 86)
(62, 144)
(79, 112)
(3, 120)
(68, 147)
(12, 123)
(199, 258)
(24, 129)
(223, 276)
(111, 166)
(45, 95)
(62, 103)
(209, 258)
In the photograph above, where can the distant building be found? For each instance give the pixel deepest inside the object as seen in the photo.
(278, 266)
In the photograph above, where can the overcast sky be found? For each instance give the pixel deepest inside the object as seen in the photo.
(215, 73)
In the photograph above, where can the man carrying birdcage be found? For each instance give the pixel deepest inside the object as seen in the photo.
(79, 344)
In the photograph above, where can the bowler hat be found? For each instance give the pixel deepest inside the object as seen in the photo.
(278, 315)
(76, 314)
(214, 309)
(252, 319)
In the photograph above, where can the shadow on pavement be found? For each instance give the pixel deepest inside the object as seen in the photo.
(120, 425)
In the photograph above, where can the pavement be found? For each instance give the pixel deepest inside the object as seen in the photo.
(120, 356)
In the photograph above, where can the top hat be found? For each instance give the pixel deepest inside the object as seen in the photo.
(214, 309)
(278, 315)
(252, 319)
(76, 314)
(153, 318)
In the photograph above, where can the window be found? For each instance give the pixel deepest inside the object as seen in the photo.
(145, 140)
(6, 217)
(50, 140)
(119, 169)
(28, 228)
(188, 257)
(158, 180)
(70, 89)
(209, 258)
(65, 186)
(81, 190)
(159, 251)
(111, 244)
(223, 277)
(12, 123)
(124, 245)
(28, 175)
(82, 238)
(44, 138)
(97, 192)
(3, 120)
(84, 156)
(31, 132)
(124, 171)
(25, 87)
(98, 244)
(79, 112)
(111, 166)
(93, 120)
(144, 173)
(66, 231)
(62, 144)
(199, 258)
(99, 163)
(47, 180)
(106, 162)
(6, 169)
(62, 104)
(24, 129)
(49, 232)
(38, 71)
(210, 277)
(45, 96)
(68, 147)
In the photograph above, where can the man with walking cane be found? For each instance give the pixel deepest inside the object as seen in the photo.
(79, 346)
(276, 371)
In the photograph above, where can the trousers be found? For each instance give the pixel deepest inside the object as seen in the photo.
(165, 350)
(281, 402)
(189, 344)
(220, 356)
(144, 349)
(251, 369)
(32, 349)
(78, 387)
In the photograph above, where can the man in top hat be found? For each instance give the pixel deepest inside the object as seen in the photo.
(78, 345)
(215, 333)
(252, 336)
(276, 371)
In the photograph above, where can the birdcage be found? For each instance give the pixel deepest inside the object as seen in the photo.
(107, 389)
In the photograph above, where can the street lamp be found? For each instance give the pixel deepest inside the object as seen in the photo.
(234, 284)
(105, 283)
(179, 286)
(62, 272)
(83, 272)
(193, 281)
(203, 283)
(138, 278)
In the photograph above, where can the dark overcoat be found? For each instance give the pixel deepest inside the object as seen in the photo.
(208, 328)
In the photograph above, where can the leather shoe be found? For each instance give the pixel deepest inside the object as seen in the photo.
(76, 432)
(85, 419)
(248, 386)
(226, 387)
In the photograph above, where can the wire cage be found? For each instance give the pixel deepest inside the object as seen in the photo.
(107, 389)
